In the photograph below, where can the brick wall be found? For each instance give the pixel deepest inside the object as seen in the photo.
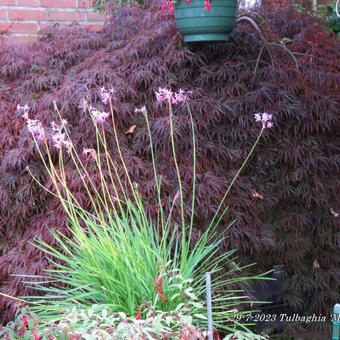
(21, 20)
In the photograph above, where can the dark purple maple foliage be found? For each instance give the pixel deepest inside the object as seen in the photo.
(285, 201)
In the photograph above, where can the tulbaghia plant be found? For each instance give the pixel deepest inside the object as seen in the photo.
(117, 257)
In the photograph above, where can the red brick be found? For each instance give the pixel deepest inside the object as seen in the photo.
(19, 27)
(26, 14)
(58, 3)
(7, 2)
(29, 3)
(91, 16)
(3, 14)
(22, 39)
(93, 28)
(66, 16)
(51, 24)
(43, 26)
(4, 27)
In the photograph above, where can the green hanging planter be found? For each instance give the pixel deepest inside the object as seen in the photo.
(196, 23)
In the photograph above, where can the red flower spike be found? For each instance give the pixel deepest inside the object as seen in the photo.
(207, 4)
(138, 314)
(35, 333)
(160, 290)
(23, 329)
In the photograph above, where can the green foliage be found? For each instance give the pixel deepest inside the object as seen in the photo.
(99, 323)
(324, 12)
(98, 5)
(111, 7)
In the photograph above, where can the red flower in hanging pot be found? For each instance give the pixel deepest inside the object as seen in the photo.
(170, 4)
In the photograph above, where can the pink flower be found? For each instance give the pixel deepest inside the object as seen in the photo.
(164, 94)
(35, 127)
(142, 110)
(105, 95)
(207, 4)
(64, 122)
(179, 97)
(90, 152)
(264, 118)
(23, 110)
(68, 145)
(58, 140)
(167, 94)
(258, 117)
(54, 126)
(99, 117)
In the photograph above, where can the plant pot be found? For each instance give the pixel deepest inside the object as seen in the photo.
(196, 23)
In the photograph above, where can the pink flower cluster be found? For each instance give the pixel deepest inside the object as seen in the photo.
(23, 110)
(35, 127)
(99, 116)
(264, 118)
(58, 137)
(105, 95)
(174, 97)
(142, 110)
(89, 152)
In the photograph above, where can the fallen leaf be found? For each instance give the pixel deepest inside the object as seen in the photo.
(234, 265)
(257, 195)
(131, 130)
